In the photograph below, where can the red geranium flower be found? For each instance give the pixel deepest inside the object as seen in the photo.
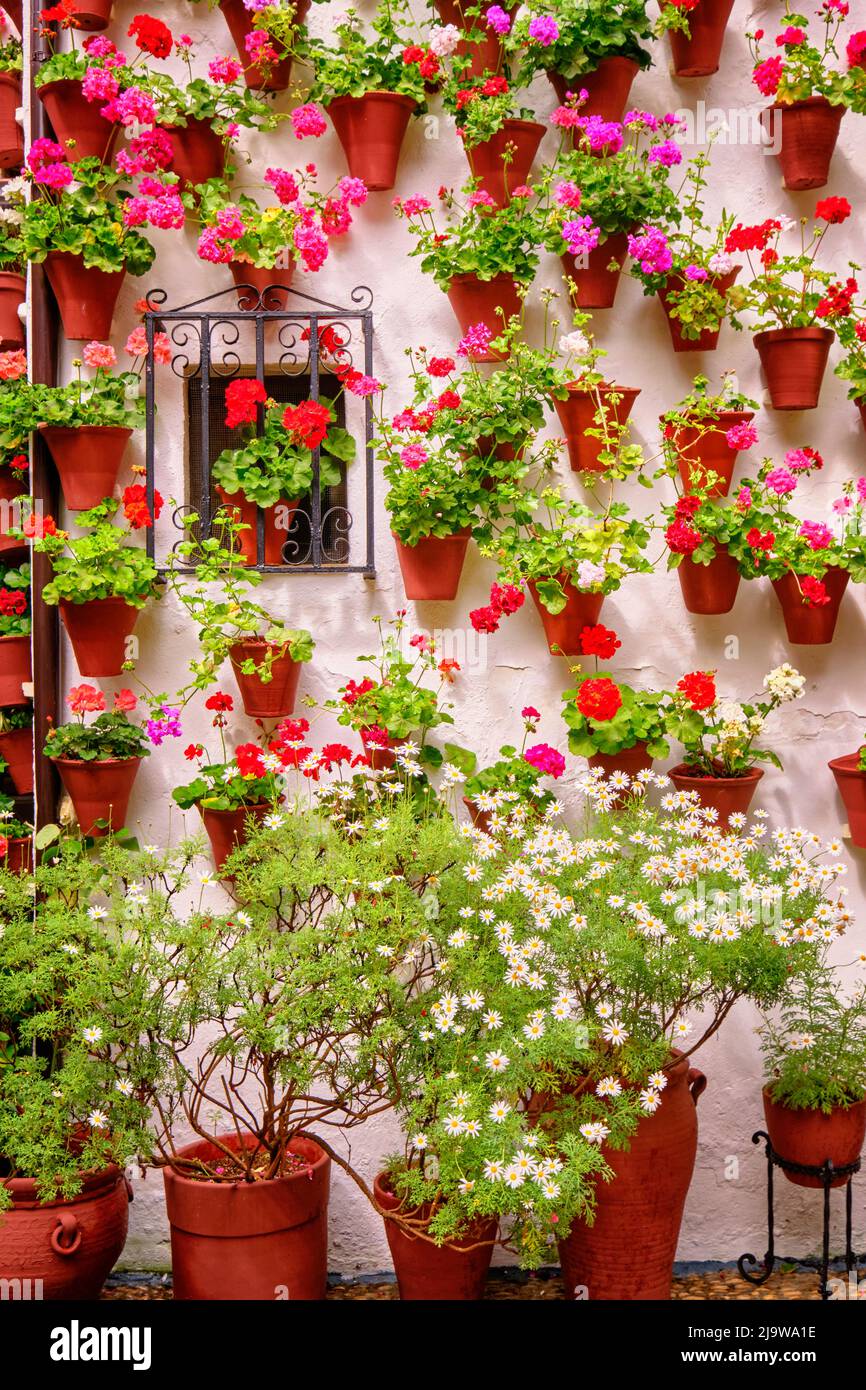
(682, 539)
(13, 602)
(151, 35)
(242, 398)
(699, 688)
(833, 210)
(354, 690)
(599, 699)
(248, 757)
(135, 507)
(220, 702)
(599, 641)
(814, 591)
(307, 423)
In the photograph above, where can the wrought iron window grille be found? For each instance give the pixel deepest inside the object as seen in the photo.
(265, 335)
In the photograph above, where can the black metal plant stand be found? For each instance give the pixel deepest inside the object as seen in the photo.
(827, 1173)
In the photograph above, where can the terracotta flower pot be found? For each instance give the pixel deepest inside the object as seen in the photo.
(486, 56)
(608, 85)
(11, 133)
(250, 1240)
(15, 11)
(86, 296)
(226, 830)
(98, 631)
(563, 630)
(270, 286)
(727, 795)
(852, 788)
(628, 1252)
(595, 285)
(491, 302)
(436, 1272)
(71, 1246)
(794, 361)
(805, 133)
(88, 459)
(699, 54)
(198, 153)
(15, 670)
(275, 77)
(807, 624)
(577, 415)
(382, 756)
(274, 699)
(275, 534)
(432, 568)
(94, 14)
(712, 588)
(811, 1138)
(708, 339)
(371, 130)
(77, 123)
(13, 290)
(16, 748)
(99, 790)
(861, 406)
(520, 140)
(703, 449)
(631, 761)
(19, 855)
(10, 490)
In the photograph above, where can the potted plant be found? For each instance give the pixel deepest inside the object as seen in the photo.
(808, 562)
(16, 746)
(233, 795)
(370, 85)
(80, 208)
(618, 193)
(14, 471)
(262, 245)
(86, 424)
(265, 654)
(703, 434)
(264, 36)
(593, 412)
(850, 774)
(811, 92)
(593, 47)
(16, 839)
(851, 332)
(718, 738)
(390, 706)
(11, 64)
(704, 537)
(16, 669)
(499, 134)
(276, 466)
(13, 285)
(618, 730)
(814, 1051)
(689, 266)
(696, 32)
(492, 793)
(795, 302)
(98, 762)
(68, 1119)
(100, 582)
(482, 257)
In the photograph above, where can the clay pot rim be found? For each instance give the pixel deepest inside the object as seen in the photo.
(509, 123)
(93, 1180)
(845, 765)
(230, 811)
(806, 101)
(97, 762)
(13, 79)
(16, 637)
(752, 774)
(387, 1200)
(796, 334)
(12, 274)
(109, 598)
(465, 531)
(722, 415)
(575, 388)
(46, 428)
(399, 97)
(471, 275)
(609, 58)
(811, 1110)
(210, 1185)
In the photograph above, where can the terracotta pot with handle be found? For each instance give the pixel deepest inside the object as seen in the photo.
(703, 449)
(274, 77)
(198, 153)
(16, 670)
(13, 291)
(486, 56)
(226, 830)
(794, 361)
(270, 285)
(16, 749)
(71, 1246)
(707, 339)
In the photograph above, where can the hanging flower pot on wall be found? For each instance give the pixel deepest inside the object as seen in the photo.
(811, 624)
(87, 459)
(94, 14)
(698, 54)
(563, 630)
(11, 133)
(19, 855)
(851, 782)
(431, 568)
(489, 302)
(278, 520)
(794, 361)
(804, 134)
(270, 286)
(609, 87)
(371, 129)
(703, 449)
(86, 296)
(10, 489)
(727, 795)
(273, 77)
(71, 1245)
(15, 670)
(436, 1272)
(628, 1252)
(707, 340)
(98, 631)
(13, 291)
(631, 761)
(712, 588)
(273, 699)
(244, 1240)
(198, 153)
(484, 56)
(99, 790)
(226, 830)
(577, 415)
(519, 140)
(595, 284)
(74, 118)
(16, 749)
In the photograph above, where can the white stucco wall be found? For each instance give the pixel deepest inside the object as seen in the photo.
(724, 1215)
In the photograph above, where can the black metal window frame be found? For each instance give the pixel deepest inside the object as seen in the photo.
(191, 327)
